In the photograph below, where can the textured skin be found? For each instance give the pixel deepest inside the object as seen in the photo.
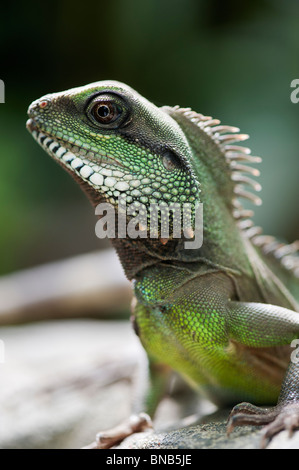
(223, 315)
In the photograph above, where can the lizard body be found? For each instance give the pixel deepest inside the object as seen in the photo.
(223, 315)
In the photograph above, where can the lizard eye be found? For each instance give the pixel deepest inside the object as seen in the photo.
(108, 110)
(105, 112)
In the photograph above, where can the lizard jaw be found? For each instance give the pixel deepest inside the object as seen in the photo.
(97, 176)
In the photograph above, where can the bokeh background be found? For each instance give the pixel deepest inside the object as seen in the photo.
(229, 59)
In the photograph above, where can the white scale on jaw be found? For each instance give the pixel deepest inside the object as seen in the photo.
(93, 174)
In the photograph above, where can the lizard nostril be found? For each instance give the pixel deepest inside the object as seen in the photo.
(43, 104)
(37, 107)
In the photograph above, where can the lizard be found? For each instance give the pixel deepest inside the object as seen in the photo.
(224, 314)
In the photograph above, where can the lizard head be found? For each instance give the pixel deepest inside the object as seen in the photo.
(116, 141)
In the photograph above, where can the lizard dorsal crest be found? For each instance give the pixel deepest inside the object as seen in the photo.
(238, 161)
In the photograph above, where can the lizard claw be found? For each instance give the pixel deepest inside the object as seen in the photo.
(279, 418)
(108, 439)
(287, 419)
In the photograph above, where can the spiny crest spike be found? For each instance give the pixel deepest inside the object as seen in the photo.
(235, 166)
(247, 195)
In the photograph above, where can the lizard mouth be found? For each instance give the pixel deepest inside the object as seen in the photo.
(51, 145)
(97, 175)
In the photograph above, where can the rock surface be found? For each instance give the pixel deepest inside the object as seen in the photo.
(62, 382)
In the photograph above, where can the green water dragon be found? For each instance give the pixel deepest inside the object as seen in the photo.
(223, 315)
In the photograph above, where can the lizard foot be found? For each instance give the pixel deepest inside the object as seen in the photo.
(107, 439)
(279, 418)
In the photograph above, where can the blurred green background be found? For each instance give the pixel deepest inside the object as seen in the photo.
(229, 59)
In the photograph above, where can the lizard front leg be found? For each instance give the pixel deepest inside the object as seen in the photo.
(267, 325)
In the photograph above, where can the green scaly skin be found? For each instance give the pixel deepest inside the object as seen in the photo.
(222, 315)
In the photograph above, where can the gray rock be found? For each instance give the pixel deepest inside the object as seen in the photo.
(211, 435)
(62, 382)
